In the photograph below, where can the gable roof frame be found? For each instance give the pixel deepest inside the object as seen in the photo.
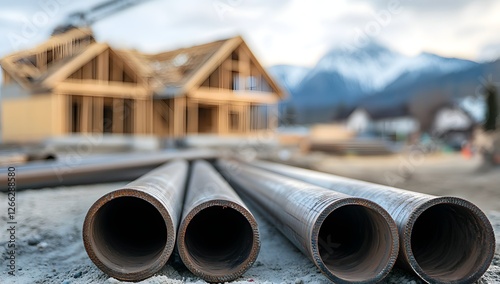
(263, 71)
(77, 62)
(216, 60)
(9, 65)
(85, 57)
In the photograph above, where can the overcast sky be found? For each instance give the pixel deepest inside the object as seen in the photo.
(294, 32)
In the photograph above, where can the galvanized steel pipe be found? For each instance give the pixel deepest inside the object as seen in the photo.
(130, 233)
(218, 237)
(443, 239)
(350, 239)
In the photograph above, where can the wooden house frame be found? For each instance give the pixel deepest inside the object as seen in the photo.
(73, 84)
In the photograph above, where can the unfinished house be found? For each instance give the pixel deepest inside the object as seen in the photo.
(73, 84)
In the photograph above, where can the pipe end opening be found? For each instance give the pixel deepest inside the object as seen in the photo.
(452, 242)
(220, 243)
(357, 244)
(127, 238)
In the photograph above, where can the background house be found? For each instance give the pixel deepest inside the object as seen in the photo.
(363, 122)
(454, 126)
(453, 119)
(73, 84)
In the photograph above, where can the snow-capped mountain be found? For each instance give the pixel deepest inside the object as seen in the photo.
(374, 66)
(371, 76)
(289, 76)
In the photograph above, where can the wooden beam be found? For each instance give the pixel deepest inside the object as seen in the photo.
(60, 117)
(179, 116)
(116, 69)
(149, 116)
(192, 117)
(140, 117)
(102, 89)
(69, 107)
(87, 71)
(159, 114)
(97, 114)
(222, 95)
(103, 66)
(86, 115)
(234, 109)
(223, 119)
(246, 117)
(118, 116)
(226, 74)
(243, 66)
(171, 117)
(143, 116)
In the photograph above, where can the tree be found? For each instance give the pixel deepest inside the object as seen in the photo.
(491, 108)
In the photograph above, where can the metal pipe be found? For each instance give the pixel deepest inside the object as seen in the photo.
(350, 239)
(130, 233)
(218, 237)
(443, 239)
(77, 170)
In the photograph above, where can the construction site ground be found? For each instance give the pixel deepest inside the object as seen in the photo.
(50, 248)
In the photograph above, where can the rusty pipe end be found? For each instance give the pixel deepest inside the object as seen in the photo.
(355, 241)
(448, 240)
(218, 240)
(128, 234)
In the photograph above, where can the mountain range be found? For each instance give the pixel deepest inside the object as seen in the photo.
(384, 82)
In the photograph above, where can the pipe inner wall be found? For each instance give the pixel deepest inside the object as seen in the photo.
(353, 241)
(449, 243)
(218, 239)
(129, 233)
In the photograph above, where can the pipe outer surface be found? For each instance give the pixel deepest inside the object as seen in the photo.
(443, 239)
(350, 239)
(130, 233)
(218, 236)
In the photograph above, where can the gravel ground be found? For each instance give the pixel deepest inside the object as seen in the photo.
(50, 248)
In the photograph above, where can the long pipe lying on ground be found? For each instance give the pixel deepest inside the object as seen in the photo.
(351, 240)
(130, 233)
(443, 239)
(218, 237)
(80, 169)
